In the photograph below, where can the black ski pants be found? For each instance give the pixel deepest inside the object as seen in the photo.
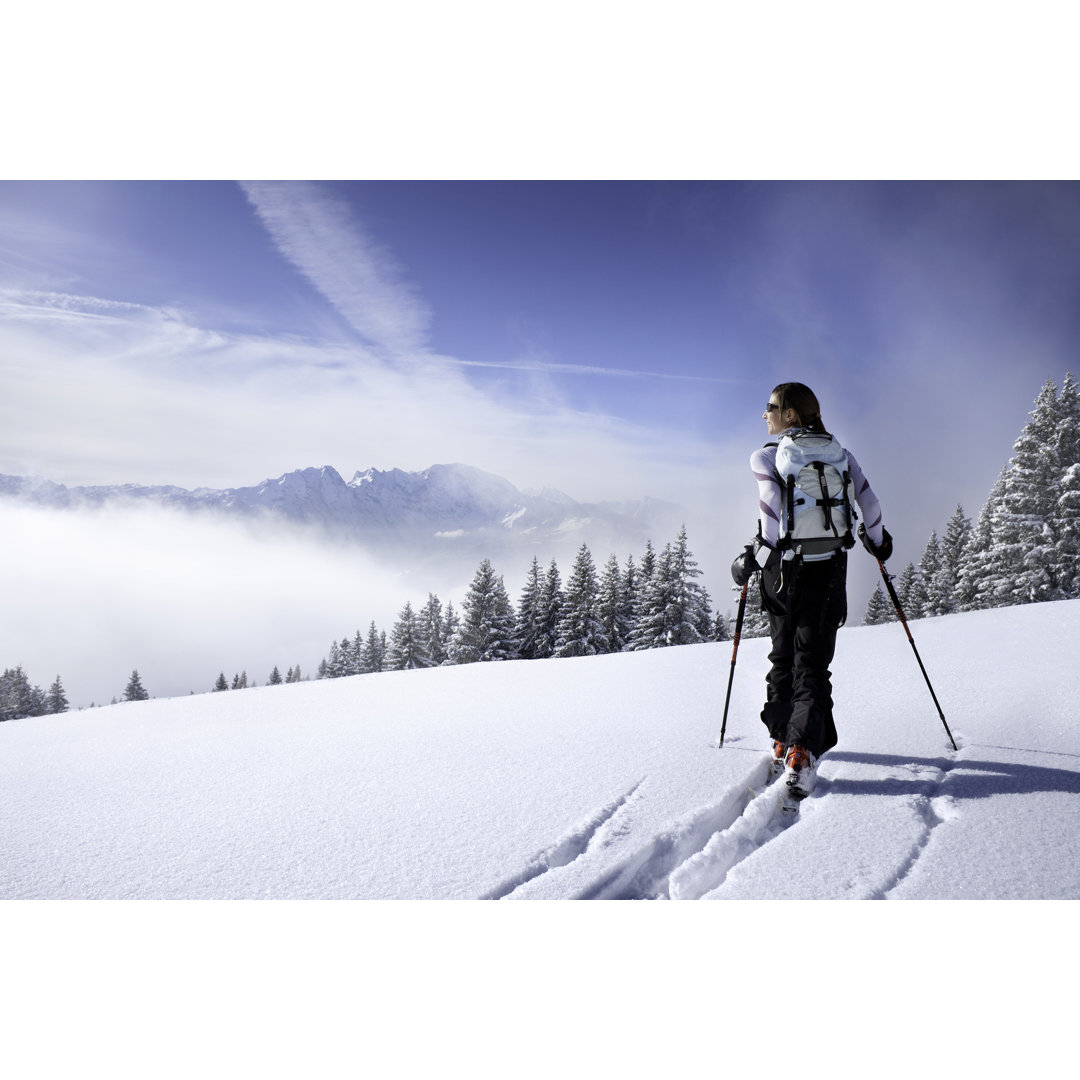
(807, 604)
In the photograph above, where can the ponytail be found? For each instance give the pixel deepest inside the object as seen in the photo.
(801, 399)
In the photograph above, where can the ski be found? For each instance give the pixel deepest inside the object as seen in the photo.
(789, 803)
(793, 796)
(799, 785)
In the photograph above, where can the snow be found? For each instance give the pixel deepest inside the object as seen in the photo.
(596, 777)
(591, 777)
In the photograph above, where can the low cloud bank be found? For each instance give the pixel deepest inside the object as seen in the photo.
(93, 595)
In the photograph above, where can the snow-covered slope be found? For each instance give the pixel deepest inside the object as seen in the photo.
(596, 777)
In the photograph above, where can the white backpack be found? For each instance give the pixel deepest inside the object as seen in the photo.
(817, 514)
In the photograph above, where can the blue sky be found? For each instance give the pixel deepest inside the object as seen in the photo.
(612, 339)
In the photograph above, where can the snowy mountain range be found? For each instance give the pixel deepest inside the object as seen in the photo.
(450, 507)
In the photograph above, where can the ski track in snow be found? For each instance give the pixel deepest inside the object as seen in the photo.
(934, 810)
(693, 857)
(743, 817)
(564, 851)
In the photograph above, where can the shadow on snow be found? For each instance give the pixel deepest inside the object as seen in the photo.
(967, 778)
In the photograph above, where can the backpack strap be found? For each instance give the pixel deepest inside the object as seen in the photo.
(787, 507)
(827, 502)
(852, 516)
(790, 509)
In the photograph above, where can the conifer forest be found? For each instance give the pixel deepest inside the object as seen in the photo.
(1024, 547)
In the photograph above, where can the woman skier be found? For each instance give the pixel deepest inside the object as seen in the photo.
(803, 574)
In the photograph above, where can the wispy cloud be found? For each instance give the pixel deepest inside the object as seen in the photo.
(130, 393)
(555, 368)
(65, 307)
(321, 237)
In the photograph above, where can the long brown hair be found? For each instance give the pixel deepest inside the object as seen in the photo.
(801, 399)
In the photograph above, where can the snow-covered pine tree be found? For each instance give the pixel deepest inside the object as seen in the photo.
(1067, 437)
(18, 698)
(690, 617)
(648, 564)
(705, 622)
(352, 650)
(613, 607)
(134, 690)
(374, 655)
(945, 587)
(293, 675)
(1066, 513)
(655, 623)
(551, 602)
(917, 605)
(275, 677)
(487, 631)
(581, 631)
(631, 582)
(673, 607)
(221, 683)
(937, 600)
(335, 661)
(903, 585)
(529, 613)
(878, 608)
(976, 587)
(649, 627)
(407, 648)
(1068, 542)
(431, 630)
(1023, 527)
(56, 700)
(1023, 547)
(451, 622)
(720, 631)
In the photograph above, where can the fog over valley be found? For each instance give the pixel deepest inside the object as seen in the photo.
(183, 586)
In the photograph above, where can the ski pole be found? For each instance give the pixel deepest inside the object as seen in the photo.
(900, 614)
(734, 653)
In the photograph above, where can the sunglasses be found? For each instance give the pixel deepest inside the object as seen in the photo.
(771, 406)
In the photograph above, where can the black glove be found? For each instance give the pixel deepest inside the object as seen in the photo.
(744, 567)
(881, 551)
